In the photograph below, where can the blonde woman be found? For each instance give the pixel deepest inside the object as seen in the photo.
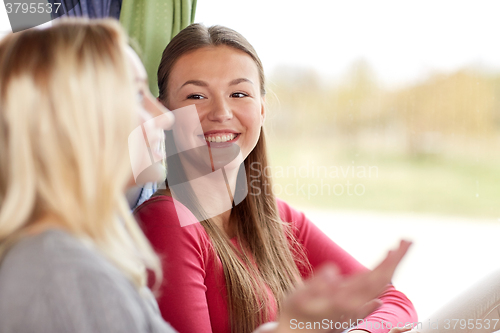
(72, 258)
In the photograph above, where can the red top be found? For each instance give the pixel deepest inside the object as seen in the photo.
(193, 293)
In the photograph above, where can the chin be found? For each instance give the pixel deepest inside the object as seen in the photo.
(225, 157)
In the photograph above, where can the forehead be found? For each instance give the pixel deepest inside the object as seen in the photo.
(214, 63)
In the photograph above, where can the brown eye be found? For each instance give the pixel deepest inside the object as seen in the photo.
(238, 95)
(195, 96)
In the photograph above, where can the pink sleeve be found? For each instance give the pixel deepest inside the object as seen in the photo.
(182, 299)
(396, 309)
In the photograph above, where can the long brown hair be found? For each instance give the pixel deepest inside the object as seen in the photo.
(258, 226)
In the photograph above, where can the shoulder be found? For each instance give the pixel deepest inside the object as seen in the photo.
(164, 210)
(66, 286)
(304, 231)
(43, 265)
(289, 214)
(160, 207)
(171, 228)
(51, 251)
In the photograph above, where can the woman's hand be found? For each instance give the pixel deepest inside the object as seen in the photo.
(329, 298)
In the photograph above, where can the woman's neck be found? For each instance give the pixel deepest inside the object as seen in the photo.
(214, 195)
(223, 221)
(43, 223)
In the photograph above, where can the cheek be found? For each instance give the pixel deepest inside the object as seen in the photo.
(251, 118)
(252, 123)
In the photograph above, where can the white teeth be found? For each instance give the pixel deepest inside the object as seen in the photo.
(220, 138)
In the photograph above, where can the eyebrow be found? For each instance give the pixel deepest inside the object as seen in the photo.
(237, 81)
(196, 83)
(201, 83)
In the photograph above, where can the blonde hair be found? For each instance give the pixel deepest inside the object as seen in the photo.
(66, 110)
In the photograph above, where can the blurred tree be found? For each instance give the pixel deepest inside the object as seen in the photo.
(446, 107)
(440, 113)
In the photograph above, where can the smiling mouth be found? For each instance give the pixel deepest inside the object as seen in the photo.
(221, 138)
(214, 139)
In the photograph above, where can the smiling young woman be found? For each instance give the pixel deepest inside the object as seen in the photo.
(231, 272)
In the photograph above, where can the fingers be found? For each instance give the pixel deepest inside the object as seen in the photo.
(364, 287)
(330, 295)
(393, 258)
(316, 294)
(327, 274)
(326, 278)
(382, 274)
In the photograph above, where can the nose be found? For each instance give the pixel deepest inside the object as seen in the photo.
(164, 119)
(220, 110)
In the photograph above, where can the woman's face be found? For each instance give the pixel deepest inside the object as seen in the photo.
(223, 84)
(153, 118)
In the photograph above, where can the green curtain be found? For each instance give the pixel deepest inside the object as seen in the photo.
(151, 24)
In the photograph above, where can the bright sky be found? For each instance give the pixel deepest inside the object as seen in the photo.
(403, 40)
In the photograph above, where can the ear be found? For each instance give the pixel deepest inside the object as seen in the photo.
(263, 109)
